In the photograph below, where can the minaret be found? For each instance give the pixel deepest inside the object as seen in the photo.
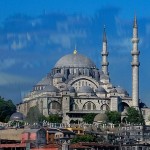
(104, 54)
(135, 66)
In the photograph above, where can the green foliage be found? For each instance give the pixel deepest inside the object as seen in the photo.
(89, 118)
(7, 108)
(88, 138)
(114, 117)
(54, 118)
(134, 116)
(34, 115)
(83, 138)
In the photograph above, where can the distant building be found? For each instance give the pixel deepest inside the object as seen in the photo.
(75, 87)
(36, 137)
(59, 135)
(137, 133)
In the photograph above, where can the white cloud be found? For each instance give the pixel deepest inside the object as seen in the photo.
(7, 63)
(7, 79)
(122, 45)
(18, 45)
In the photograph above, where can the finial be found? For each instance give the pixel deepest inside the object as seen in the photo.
(104, 35)
(75, 51)
(135, 22)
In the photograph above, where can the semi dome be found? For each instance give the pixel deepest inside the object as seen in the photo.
(72, 89)
(113, 90)
(17, 116)
(74, 60)
(100, 118)
(100, 90)
(85, 89)
(51, 88)
(120, 90)
(45, 81)
(58, 75)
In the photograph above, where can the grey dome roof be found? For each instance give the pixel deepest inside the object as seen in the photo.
(74, 60)
(71, 76)
(85, 89)
(65, 89)
(113, 90)
(58, 75)
(50, 88)
(120, 90)
(71, 89)
(101, 90)
(100, 118)
(17, 116)
(45, 81)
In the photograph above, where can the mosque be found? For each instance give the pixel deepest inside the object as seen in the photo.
(75, 87)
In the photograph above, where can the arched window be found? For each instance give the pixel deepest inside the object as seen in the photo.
(89, 106)
(75, 107)
(54, 105)
(104, 107)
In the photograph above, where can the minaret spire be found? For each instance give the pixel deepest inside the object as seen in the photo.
(75, 50)
(135, 65)
(104, 54)
(104, 35)
(135, 22)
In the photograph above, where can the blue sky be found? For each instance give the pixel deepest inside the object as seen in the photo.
(34, 34)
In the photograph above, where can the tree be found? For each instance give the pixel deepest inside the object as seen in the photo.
(134, 116)
(114, 117)
(83, 138)
(89, 118)
(54, 118)
(7, 108)
(34, 115)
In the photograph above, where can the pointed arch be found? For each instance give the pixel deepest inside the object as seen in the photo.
(105, 107)
(89, 106)
(54, 105)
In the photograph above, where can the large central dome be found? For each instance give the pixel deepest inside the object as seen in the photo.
(74, 60)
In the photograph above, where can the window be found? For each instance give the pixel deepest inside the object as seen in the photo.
(105, 107)
(54, 105)
(76, 107)
(89, 106)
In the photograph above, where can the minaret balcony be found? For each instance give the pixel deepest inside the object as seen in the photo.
(105, 63)
(104, 53)
(135, 40)
(135, 63)
(133, 52)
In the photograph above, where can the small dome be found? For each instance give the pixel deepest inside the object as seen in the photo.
(72, 89)
(45, 81)
(74, 60)
(58, 75)
(100, 90)
(100, 118)
(65, 89)
(113, 90)
(85, 89)
(120, 90)
(17, 116)
(50, 88)
(71, 76)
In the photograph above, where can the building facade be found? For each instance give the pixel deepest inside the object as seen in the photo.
(75, 87)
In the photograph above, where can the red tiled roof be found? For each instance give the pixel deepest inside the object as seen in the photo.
(12, 145)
